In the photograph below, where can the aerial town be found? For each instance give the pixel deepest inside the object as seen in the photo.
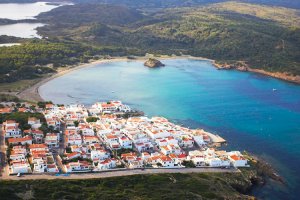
(105, 136)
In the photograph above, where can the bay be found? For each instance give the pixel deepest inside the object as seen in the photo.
(242, 107)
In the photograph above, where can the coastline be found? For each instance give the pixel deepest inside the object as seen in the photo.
(279, 75)
(32, 93)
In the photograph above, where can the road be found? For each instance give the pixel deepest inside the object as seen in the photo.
(121, 173)
(2, 152)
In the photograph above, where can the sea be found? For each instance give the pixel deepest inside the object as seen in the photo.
(253, 112)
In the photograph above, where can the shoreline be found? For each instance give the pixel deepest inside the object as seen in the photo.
(278, 75)
(32, 93)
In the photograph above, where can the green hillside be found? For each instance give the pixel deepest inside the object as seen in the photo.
(166, 186)
(264, 37)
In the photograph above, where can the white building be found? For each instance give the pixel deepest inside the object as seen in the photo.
(125, 142)
(11, 129)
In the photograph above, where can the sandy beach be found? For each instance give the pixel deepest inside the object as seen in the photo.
(32, 93)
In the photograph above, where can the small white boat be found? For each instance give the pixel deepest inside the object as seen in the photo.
(274, 89)
(112, 91)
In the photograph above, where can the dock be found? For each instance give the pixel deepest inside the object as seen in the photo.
(216, 138)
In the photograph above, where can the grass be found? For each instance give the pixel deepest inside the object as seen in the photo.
(18, 85)
(156, 186)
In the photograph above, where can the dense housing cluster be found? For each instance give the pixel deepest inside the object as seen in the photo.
(106, 136)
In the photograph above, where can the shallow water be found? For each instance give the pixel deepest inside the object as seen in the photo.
(242, 107)
(17, 11)
(22, 30)
(9, 44)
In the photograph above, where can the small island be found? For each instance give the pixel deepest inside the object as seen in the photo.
(153, 63)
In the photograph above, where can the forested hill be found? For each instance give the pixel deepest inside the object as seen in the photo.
(168, 3)
(181, 3)
(264, 37)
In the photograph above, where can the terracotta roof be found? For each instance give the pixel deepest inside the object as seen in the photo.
(17, 140)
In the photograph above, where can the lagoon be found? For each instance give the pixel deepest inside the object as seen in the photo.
(241, 107)
(18, 11)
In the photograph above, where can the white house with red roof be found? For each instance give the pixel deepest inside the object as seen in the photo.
(52, 140)
(106, 164)
(90, 139)
(73, 155)
(74, 139)
(23, 141)
(99, 155)
(125, 142)
(237, 159)
(38, 148)
(144, 146)
(10, 129)
(38, 136)
(19, 167)
(34, 122)
(79, 166)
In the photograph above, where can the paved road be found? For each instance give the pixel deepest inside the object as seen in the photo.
(121, 173)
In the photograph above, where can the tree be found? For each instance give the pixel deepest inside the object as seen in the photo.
(92, 119)
(188, 164)
(76, 123)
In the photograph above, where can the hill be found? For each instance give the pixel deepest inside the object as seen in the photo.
(261, 37)
(264, 37)
(188, 3)
(166, 186)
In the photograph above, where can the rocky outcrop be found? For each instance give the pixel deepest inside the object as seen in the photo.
(152, 63)
(242, 66)
(279, 75)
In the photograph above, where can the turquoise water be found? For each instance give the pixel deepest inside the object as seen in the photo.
(242, 107)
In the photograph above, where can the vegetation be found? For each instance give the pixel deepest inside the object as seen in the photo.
(263, 37)
(157, 186)
(188, 164)
(227, 32)
(27, 60)
(92, 119)
(181, 3)
(42, 104)
(21, 118)
(8, 98)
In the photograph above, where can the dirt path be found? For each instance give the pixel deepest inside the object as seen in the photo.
(121, 173)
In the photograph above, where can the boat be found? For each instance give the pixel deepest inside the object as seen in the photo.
(274, 89)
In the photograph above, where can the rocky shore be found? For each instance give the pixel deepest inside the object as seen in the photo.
(242, 66)
(259, 173)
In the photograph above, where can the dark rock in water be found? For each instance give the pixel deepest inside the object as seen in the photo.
(151, 62)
